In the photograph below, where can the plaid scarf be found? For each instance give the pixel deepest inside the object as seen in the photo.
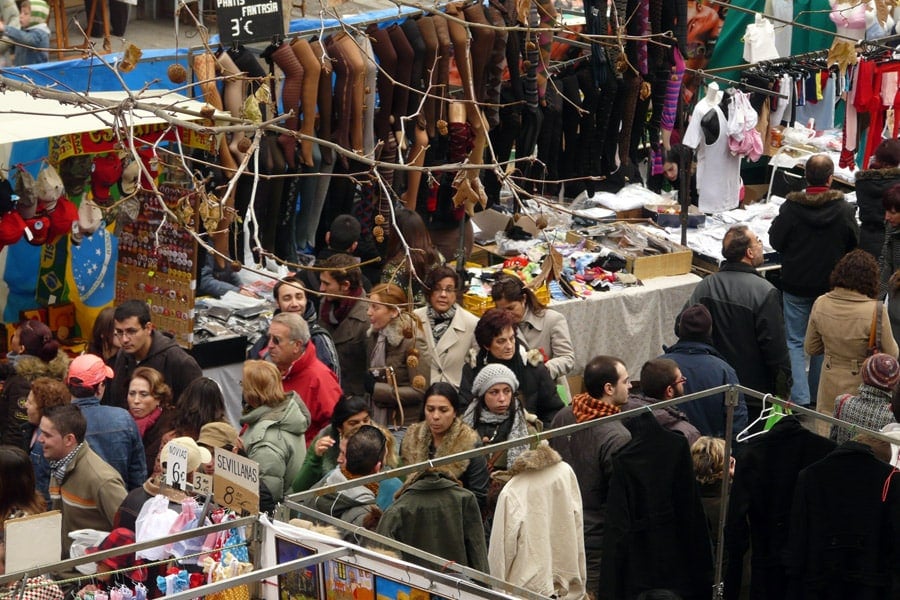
(585, 408)
(372, 487)
(58, 467)
(440, 322)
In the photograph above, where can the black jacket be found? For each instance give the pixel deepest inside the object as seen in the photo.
(748, 326)
(845, 528)
(178, 369)
(656, 533)
(871, 185)
(760, 504)
(812, 232)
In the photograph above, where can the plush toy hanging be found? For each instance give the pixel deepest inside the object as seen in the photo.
(53, 204)
(105, 173)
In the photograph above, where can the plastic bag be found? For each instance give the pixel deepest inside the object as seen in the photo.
(82, 541)
(154, 521)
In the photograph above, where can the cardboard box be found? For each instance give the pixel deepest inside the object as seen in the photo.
(647, 267)
(488, 222)
(658, 213)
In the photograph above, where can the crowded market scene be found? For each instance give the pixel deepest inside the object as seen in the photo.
(384, 299)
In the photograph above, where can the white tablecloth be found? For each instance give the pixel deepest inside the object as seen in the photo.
(631, 324)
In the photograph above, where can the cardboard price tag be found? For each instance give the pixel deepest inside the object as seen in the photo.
(236, 482)
(176, 466)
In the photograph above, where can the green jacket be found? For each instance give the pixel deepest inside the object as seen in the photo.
(89, 495)
(274, 439)
(314, 466)
(433, 502)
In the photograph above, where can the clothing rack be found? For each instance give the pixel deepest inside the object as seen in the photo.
(738, 84)
(732, 394)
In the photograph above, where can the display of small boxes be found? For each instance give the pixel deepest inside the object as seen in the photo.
(645, 266)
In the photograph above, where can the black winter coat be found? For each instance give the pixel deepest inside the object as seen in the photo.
(178, 369)
(871, 185)
(656, 533)
(812, 232)
(845, 529)
(748, 326)
(760, 505)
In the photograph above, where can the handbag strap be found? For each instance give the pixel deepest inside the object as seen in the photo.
(875, 329)
(392, 379)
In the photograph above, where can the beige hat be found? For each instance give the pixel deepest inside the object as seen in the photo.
(218, 434)
(27, 204)
(49, 185)
(130, 177)
(197, 455)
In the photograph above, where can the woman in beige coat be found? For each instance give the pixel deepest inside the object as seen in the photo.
(839, 328)
(448, 329)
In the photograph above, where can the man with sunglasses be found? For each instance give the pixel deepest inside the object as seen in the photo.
(293, 352)
(141, 344)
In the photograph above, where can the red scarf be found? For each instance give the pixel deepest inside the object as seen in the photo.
(145, 423)
(585, 408)
(334, 310)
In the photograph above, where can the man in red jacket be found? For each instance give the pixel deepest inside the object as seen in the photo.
(294, 354)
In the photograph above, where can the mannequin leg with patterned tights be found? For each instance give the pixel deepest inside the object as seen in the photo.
(284, 57)
(494, 71)
(308, 93)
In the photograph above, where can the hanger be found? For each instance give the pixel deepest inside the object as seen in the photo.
(770, 414)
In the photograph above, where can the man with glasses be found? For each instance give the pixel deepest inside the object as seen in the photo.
(661, 379)
(142, 345)
(292, 351)
(748, 326)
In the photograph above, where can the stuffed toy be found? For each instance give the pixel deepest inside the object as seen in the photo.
(53, 205)
(105, 173)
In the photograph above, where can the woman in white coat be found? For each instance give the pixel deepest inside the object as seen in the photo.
(449, 328)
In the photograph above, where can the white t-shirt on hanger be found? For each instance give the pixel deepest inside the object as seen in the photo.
(718, 170)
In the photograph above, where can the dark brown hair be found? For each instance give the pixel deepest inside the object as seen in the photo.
(491, 324)
(17, 491)
(513, 289)
(422, 250)
(857, 271)
(887, 155)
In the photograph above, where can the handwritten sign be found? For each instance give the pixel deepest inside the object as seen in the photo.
(236, 482)
(176, 466)
(242, 21)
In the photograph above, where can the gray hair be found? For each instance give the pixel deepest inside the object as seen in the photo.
(299, 330)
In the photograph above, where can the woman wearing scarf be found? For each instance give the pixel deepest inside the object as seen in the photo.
(398, 368)
(496, 337)
(441, 432)
(496, 414)
(449, 330)
(150, 405)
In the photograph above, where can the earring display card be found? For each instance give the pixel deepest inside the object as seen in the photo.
(158, 262)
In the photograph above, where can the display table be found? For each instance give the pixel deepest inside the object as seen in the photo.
(631, 324)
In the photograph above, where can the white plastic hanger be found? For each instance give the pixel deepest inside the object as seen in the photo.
(770, 414)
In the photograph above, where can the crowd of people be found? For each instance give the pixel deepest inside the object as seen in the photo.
(352, 379)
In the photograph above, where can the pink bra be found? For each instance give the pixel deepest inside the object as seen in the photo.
(851, 17)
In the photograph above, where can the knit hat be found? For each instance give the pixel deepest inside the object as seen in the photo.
(40, 12)
(196, 455)
(88, 370)
(218, 434)
(694, 323)
(492, 374)
(881, 371)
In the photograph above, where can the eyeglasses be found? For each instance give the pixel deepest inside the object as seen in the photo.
(127, 333)
(681, 379)
(275, 340)
(446, 290)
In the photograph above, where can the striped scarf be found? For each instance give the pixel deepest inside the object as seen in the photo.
(585, 408)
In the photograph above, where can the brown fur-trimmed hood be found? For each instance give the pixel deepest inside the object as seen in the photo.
(32, 367)
(535, 459)
(815, 199)
(876, 174)
(459, 438)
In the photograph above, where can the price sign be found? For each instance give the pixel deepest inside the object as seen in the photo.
(203, 484)
(242, 21)
(236, 482)
(176, 466)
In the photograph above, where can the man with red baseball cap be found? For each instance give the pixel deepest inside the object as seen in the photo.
(111, 431)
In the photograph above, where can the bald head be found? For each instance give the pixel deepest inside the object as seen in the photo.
(819, 169)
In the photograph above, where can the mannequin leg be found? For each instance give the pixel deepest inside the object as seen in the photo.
(310, 90)
(387, 60)
(370, 80)
(482, 47)
(442, 89)
(429, 35)
(324, 100)
(284, 57)
(494, 71)
(403, 74)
